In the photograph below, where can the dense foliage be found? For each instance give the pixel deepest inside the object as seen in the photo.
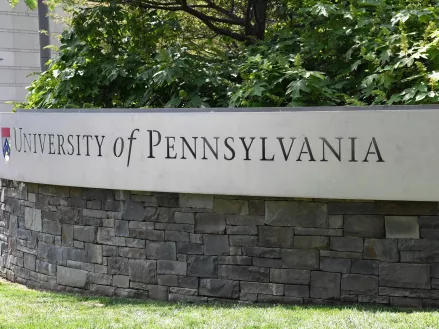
(315, 52)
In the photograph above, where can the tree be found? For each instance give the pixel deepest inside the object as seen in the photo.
(239, 20)
(312, 53)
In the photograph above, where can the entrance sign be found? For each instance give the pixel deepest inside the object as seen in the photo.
(356, 154)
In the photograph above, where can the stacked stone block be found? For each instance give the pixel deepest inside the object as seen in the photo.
(205, 248)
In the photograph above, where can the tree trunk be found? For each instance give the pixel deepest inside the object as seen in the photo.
(260, 17)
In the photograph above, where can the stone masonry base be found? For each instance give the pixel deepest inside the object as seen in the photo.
(205, 248)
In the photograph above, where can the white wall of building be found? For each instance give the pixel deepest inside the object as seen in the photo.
(19, 51)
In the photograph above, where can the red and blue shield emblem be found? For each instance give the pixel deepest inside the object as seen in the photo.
(6, 142)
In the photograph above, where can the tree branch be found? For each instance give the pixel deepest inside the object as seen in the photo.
(206, 20)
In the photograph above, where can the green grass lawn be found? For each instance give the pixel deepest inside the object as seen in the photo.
(25, 308)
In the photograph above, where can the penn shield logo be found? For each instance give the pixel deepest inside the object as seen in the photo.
(6, 142)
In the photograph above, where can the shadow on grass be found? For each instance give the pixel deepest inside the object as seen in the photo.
(115, 302)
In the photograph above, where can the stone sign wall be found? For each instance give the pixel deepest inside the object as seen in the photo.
(204, 248)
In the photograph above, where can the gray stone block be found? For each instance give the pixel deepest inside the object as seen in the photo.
(186, 298)
(405, 302)
(176, 236)
(267, 262)
(406, 292)
(168, 200)
(300, 259)
(188, 282)
(352, 208)
(93, 253)
(262, 288)
(94, 204)
(219, 288)
(341, 265)
(94, 213)
(318, 231)
(167, 280)
(141, 225)
(341, 254)
(429, 222)
(174, 227)
(374, 299)
(110, 205)
(418, 244)
(428, 233)
(143, 270)
(183, 291)
(402, 227)
(385, 250)
(243, 240)
(51, 227)
(244, 220)
(133, 211)
(152, 235)
(135, 243)
(216, 244)
(32, 219)
(157, 292)
(406, 208)
(290, 276)
(46, 238)
(248, 298)
(311, 242)
(132, 253)
(347, 244)
(81, 266)
(335, 221)
(196, 238)
(435, 270)
(189, 248)
(102, 290)
(405, 275)
(171, 267)
(244, 273)
(276, 237)
(71, 277)
(430, 303)
(202, 266)
(234, 260)
(270, 299)
(100, 278)
(184, 218)
(362, 266)
(210, 223)
(358, 284)
(108, 236)
(84, 233)
(242, 230)
(199, 201)
(70, 253)
(325, 285)
(45, 268)
(262, 252)
(121, 228)
(161, 250)
(229, 206)
(300, 291)
(296, 213)
(364, 226)
(428, 256)
(256, 207)
(29, 261)
(52, 253)
(118, 266)
(110, 250)
(162, 215)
